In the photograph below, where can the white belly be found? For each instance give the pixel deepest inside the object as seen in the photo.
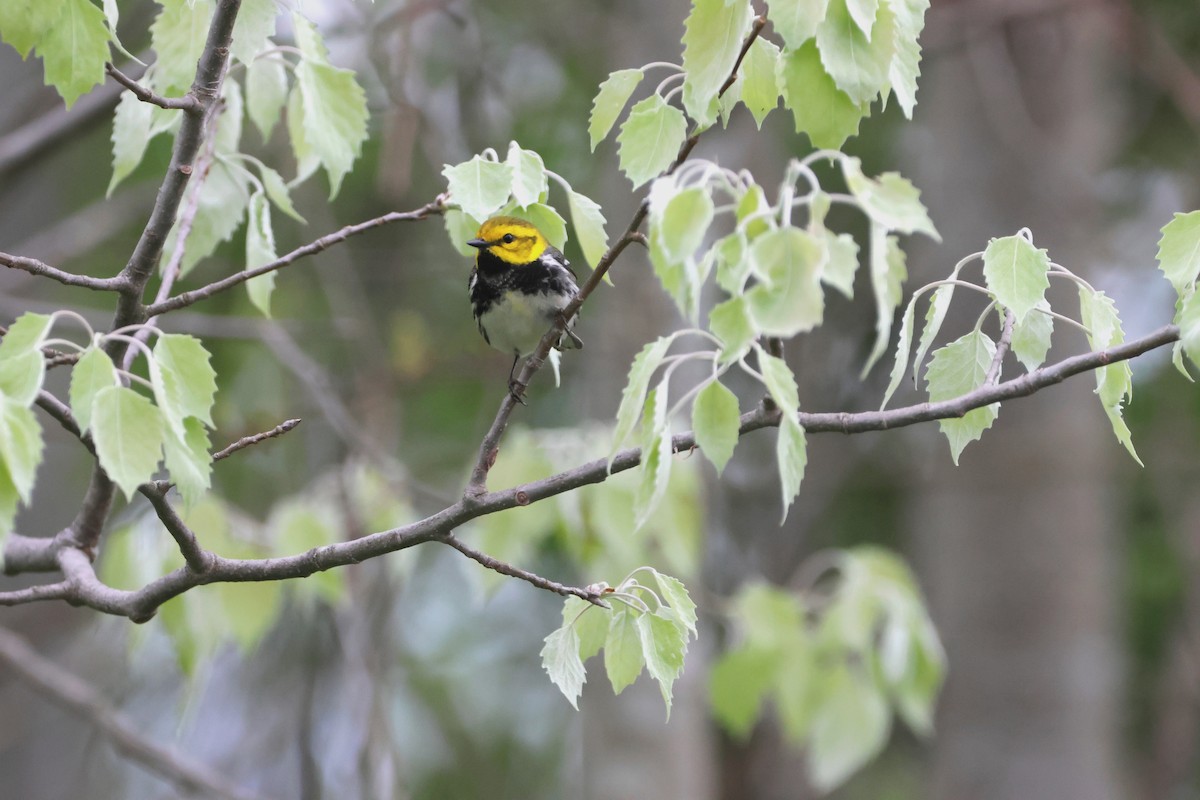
(518, 322)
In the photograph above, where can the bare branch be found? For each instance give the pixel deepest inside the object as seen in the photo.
(1002, 347)
(496, 565)
(186, 103)
(184, 299)
(35, 267)
(65, 689)
(247, 441)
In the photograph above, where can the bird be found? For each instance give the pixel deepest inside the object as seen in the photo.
(519, 286)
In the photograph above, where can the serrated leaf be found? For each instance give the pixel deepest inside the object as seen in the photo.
(306, 158)
(733, 265)
(796, 20)
(819, 107)
(863, 13)
(1114, 382)
(676, 596)
(664, 645)
(253, 29)
(461, 228)
(260, 250)
(588, 221)
(187, 382)
(614, 93)
(633, 397)
(220, 208)
(955, 370)
(888, 274)
(760, 87)
(266, 93)
(23, 23)
(92, 372)
(791, 455)
(935, 315)
(177, 35)
(712, 40)
(905, 65)
(1031, 337)
(903, 347)
(737, 686)
(278, 193)
(21, 377)
(74, 49)
(591, 625)
(789, 298)
(890, 200)
(1017, 273)
(127, 430)
(650, 139)
(655, 471)
(841, 263)
(529, 179)
(188, 460)
(623, 659)
(560, 659)
(545, 219)
(716, 421)
(780, 383)
(1179, 251)
(730, 322)
(25, 335)
(858, 62)
(684, 222)
(335, 117)
(9, 500)
(228, 135)
(130, 136)
(21, 449)
(479, 186)
(1188, 320)
(849, 727)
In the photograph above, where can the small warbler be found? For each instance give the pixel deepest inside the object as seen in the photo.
(519, 286)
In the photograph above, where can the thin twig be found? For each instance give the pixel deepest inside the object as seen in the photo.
(247, 441)
(1002, 347)
(496, 565)
(35, 267)
(186, 103)
(184, 299)
(67, 690)
(198, 559)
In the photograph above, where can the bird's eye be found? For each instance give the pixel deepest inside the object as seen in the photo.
(508, 238)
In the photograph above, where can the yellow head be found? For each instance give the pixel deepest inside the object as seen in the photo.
(512, 240)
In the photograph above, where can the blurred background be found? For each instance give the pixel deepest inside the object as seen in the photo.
(1061, 576)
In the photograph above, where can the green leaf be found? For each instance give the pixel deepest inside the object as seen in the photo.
(187, 381)
(685, 220)
(780, 383)
(796, 684)
(560, 659)
(1179, 251)
(590, 622)
(335, 117)
(789, 299)
(460, 228)
(177, 35)
(863, 13)
(955, 370)
(266, 93)
(529, 180)
(21, 449)
(905, 65)
(614, 93)
(935, 315)
(306, 157)
(623, 658)
(188, 461)
(1031, 337)
(479, 186)
(676, 596)
(760, 87)
(849, 727)
(770, 616)
(588, 221)
(633, 397)
(733, 264)
(299, 527)
(74, 49)
(228, 135)
(1188, 320)
(796, 20)
(251, 610)
(650, 139)
(819, 107)
(1114, 383)
(716, 421)
(730, 322)
(656, 456)
(841, 263)
(1017, 273)
(791, 454)
(9, 500)
(128, 432)
(92, 372)
(712, 40)
(23, 23)
(278, 193)
(253, 29)
(21, 377)
(546, 220)
(260, 250)
(858, 62)
(664, 645)
(737, 686)
(888, 273)
(890, 200)
(220, 208)
(903, 346)
(131, 134)
(25, 335)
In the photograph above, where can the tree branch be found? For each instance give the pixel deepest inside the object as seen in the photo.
(186, 103)
(185, 299)
(1002, 347)
(35, 267)
(496, 565)
(65, 689)
(253, 439)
